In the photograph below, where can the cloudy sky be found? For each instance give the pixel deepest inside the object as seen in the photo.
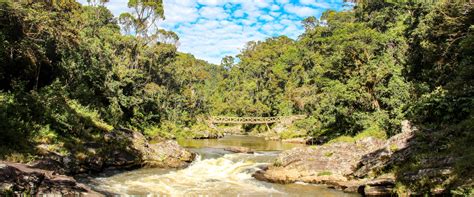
(212, 29)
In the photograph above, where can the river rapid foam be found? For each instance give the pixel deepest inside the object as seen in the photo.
(215, 172)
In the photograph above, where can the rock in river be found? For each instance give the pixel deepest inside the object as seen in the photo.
(238, 149)
(132, 148)
(319, 164)
(17, 179)
(120, 148)
(342, 165)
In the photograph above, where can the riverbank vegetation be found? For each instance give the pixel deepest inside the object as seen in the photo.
(70, 74)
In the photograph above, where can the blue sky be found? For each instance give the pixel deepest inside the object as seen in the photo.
(212, 29)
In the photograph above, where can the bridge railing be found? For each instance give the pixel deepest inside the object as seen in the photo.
(252, 120)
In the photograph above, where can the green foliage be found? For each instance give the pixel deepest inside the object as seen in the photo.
(370, 132)
(145, 13)
(342, 139)
(46, 136)
(373, 131)
(463, 191)
(167, 130)
(291, 133)
(201, 130)
(325, 173)
(68, 76)
(328, 154)
(439, 67)
(93, 115)
(343, 76)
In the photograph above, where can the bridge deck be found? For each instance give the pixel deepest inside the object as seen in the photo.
(251, 120)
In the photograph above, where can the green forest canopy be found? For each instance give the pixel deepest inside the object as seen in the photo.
(68, 72)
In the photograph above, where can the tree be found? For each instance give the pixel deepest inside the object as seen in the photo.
(310, 23)
(167, 37)
(227, 62)
(97, 2)
(143, 18)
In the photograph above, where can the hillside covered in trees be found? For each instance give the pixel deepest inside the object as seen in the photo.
(71, 73)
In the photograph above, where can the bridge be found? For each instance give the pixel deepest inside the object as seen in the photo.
(253, 120)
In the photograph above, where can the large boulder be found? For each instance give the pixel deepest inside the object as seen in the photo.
(332, 162)
(120, 148)
(374, 162)
(132, 148)
(17, 179)
(167, 154)
(349, 166)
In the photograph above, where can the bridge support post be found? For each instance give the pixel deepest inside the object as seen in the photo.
(268, 128)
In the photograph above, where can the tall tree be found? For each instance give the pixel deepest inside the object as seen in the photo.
(142, 20)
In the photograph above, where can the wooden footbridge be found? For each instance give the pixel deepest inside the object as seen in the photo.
(253, 120)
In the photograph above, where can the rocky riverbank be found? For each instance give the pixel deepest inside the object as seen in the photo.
(349, 166)
(121, 148)
(118, 149)
(17, 179)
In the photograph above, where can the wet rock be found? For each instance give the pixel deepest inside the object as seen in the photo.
(208, 134)
(120, 149)
(296, 140)
(342, 165)
(379, 187)
(19, 178)
(276, 176)
(131, 148)
(384, 156)
(167, 154)
(381, 182)
(50, 164)
(239, 149)
(378, 190)
(332, 160)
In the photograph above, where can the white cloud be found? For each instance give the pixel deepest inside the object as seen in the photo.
(212, 29)
(211, 2)
(213, 13)
(184, 11)
(238, 13)
(266, 17)
(282, 1)
(275, 14)
(301, 11)
(275, 7)
(316, 3)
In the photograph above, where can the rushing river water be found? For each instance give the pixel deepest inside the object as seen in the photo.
(215, 172)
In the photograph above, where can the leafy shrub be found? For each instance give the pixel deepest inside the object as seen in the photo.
(92, 115)
(46, 136)
(200, 130)
(291, 133)
(373, 131)
(154, 131)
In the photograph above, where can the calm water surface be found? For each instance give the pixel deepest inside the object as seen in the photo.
(215, 172)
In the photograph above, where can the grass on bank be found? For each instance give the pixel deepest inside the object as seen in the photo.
(92, 115)
(373, 131)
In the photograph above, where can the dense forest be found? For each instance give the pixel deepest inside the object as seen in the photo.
(72, 72)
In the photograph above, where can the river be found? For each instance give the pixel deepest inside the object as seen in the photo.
(215, 172)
